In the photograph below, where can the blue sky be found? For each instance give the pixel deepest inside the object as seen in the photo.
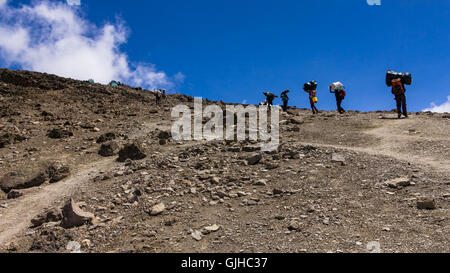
(234, 50)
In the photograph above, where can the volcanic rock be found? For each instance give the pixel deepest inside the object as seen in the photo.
(131, 151)
(74, 216)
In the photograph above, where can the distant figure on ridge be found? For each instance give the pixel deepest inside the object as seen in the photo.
(269, 98)
(398, 81)
(399, 90)
(285, 99)
(157, 94)
(310, 88)
(338, 89)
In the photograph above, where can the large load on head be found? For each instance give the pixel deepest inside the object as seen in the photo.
(391, 75)
(337, 86)
(309, 86)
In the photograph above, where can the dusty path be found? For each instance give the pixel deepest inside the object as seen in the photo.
(391, 140)
(16, 218)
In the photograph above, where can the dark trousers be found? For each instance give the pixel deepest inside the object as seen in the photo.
(339, 105)
(401, 105)
(314, 108)
(285, 105)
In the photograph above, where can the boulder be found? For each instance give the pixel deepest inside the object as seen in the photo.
(131, 151)
(57, 171)
(51, 215)
(108, 149)
(26, 177)
(74, 216)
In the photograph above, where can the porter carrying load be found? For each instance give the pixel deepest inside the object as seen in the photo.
(309, 86)
(337, 86)
(391, 75)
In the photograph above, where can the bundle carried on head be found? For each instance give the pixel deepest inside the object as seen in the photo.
(309, 86)
(391, 75)
(338, 86)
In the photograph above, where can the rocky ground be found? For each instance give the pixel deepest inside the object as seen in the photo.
(92, 168)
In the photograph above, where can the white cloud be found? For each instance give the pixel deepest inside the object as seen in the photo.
(52, 37)
(445, 107)
(2, 3)
(74, 2)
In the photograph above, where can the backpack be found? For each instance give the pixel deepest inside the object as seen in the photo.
(343, 93)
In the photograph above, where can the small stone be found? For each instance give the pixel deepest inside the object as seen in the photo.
(158, 209)
(255, 159)
(162, 142)
(164, 135)
(215, 180)
(197, 235)
(277, 191)
(59, 133)
(57, 172)
(261, 182)
(398, 183)
(338, 158)
(294, 226)
(14, 194)
(426, 203)
(106, 137)
(86, 243)
(12, 247)
(210, 229)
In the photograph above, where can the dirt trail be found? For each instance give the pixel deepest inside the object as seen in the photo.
(390, 142)
(16, 218)
(18, 215)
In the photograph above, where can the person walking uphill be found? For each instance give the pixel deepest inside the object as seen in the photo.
(338, 89)
(310, 88)
(397, 81)
(399, 90)
(269, 98)
(285, 99)
(158, 95)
